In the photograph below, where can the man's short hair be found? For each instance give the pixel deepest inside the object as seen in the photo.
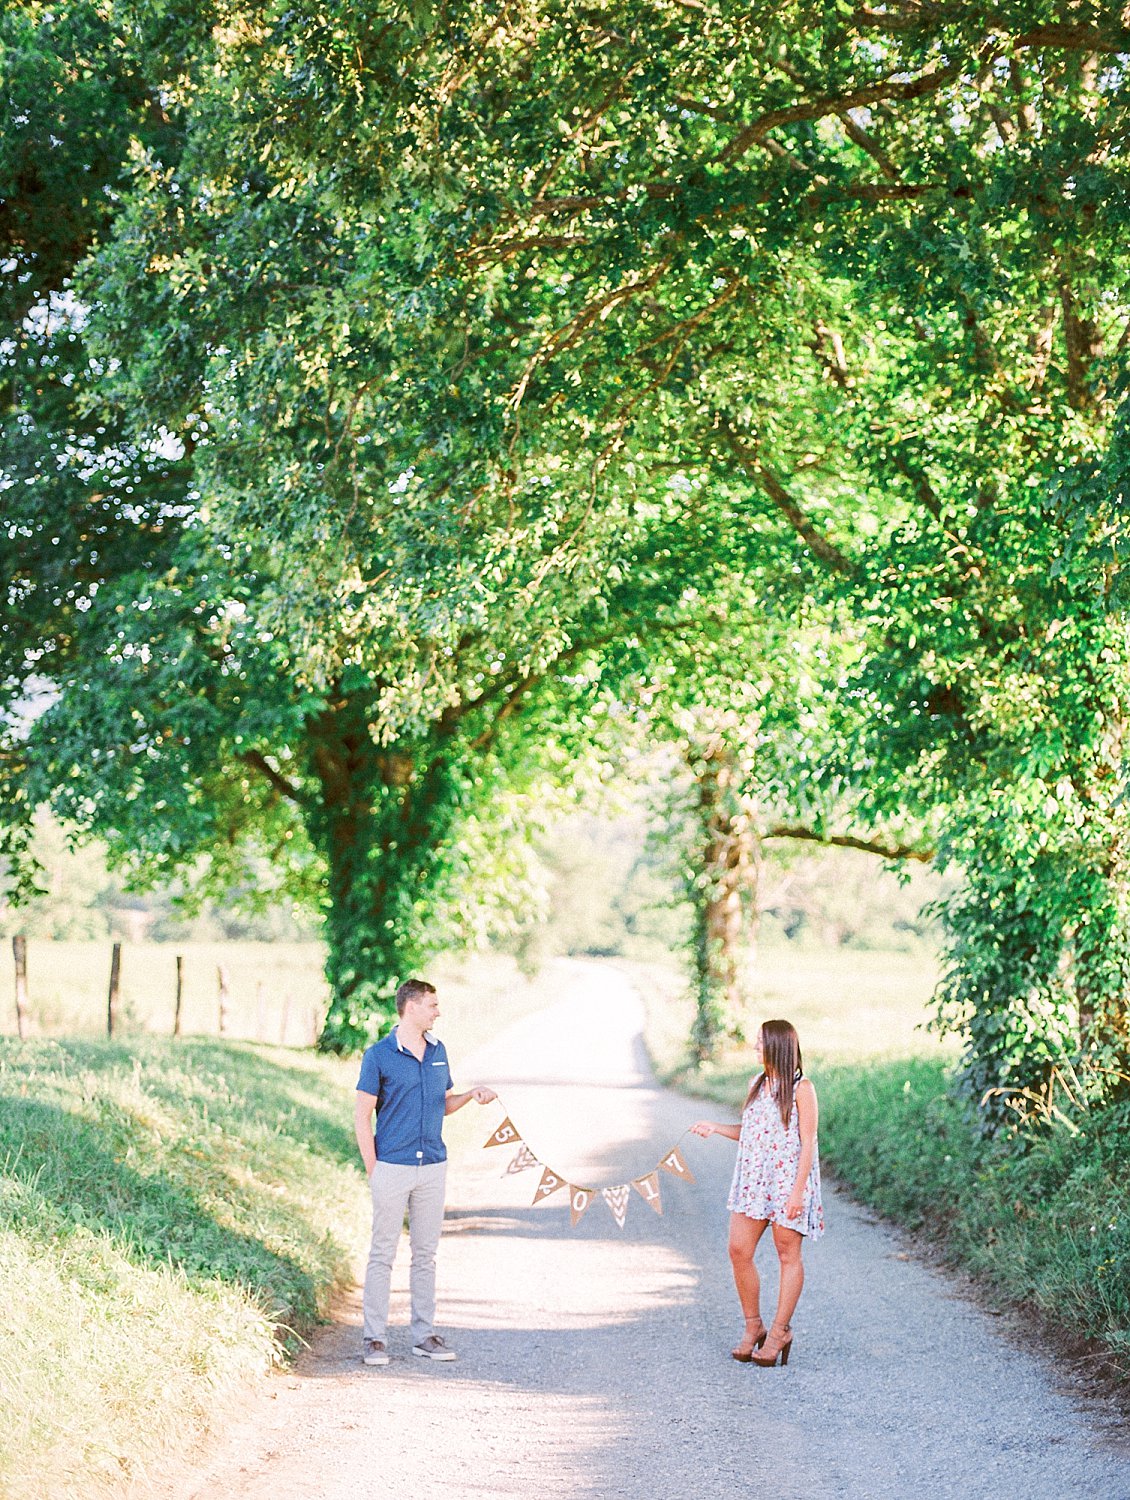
(412, 989)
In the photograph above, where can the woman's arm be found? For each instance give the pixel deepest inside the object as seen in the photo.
(715, 1127)
(806, 1110)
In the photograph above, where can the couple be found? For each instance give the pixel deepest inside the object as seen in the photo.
(406, 1080)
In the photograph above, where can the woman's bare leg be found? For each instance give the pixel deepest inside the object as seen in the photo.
(787, 1243)
(744, 1236)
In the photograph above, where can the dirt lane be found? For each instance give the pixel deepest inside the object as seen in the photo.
(594, 1362)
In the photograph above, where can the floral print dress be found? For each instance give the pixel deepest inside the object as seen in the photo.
(764, 1173)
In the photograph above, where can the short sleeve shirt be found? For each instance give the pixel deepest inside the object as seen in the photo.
(411, 1097)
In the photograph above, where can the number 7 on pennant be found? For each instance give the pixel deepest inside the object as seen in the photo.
(505, 1135)
(674, 1163)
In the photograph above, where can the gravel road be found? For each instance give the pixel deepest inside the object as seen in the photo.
(595, 1361)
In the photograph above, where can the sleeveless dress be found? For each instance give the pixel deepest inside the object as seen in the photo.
(764, 1173)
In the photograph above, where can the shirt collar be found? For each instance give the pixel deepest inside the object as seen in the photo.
(429, 1040)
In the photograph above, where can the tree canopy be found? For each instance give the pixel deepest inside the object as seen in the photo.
(489, 344)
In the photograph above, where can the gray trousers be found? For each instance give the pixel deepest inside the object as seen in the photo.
(419, 1192)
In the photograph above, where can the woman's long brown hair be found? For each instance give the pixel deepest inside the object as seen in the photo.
(780, 1057)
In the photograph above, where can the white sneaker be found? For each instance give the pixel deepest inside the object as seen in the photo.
(375, 1352)
(433, 1347)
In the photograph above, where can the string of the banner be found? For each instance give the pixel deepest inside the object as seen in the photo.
(617, 1197)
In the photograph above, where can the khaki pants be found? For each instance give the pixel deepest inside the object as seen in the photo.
(419, 1192)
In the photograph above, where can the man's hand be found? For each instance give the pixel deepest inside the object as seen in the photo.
(482, 1095)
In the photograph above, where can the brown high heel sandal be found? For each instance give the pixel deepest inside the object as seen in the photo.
(778, 1344)
(744, 1352)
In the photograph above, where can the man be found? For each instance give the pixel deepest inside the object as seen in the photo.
(406, 1079)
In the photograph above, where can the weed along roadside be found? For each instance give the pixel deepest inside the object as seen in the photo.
(172, 1215)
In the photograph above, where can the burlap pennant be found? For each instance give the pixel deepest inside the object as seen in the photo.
(523, 1160)
(674, 1163)
(617, 1200)
(648, 1189)
(579, 1200)
(505, 1135)
(549, 1183)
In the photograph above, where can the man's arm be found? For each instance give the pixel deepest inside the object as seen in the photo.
(363, 1127)
(453, 1101)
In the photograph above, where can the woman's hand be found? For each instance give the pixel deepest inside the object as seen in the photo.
(703, 1128)
(795, 1206)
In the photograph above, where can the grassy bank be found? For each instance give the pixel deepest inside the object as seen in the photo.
(167, 1212)
(1044, 1226)
(172, 1215)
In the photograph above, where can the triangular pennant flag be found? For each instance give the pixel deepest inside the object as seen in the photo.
(523, 1161)
(673, 1162)
(549, 1183)
(648, 1189)
(579, 1200)
(505, 1135)
(617, 1200)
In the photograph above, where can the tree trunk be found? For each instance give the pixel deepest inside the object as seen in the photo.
(382, 824)
(725, 895)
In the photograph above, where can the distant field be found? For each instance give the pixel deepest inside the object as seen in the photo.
(276, 991)
(847, 1005)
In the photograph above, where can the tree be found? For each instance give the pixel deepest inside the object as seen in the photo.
(473, 292)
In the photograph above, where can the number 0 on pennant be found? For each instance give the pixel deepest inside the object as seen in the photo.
(579, 1200)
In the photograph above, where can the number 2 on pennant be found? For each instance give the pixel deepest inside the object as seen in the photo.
(549, 1183)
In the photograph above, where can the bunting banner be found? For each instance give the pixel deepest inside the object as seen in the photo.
(617, 1200)
(523, 1161)
(617, 1196)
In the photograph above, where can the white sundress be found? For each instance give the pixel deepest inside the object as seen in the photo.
(765, 1170)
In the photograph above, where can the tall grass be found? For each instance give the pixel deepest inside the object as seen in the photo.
(173, 1214)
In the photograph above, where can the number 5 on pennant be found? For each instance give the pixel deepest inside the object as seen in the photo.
(505, 1135)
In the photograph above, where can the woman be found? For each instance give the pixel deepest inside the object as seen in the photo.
(776, 1181)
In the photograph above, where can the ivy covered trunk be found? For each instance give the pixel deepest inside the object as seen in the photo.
(724, 894)
(381, 823)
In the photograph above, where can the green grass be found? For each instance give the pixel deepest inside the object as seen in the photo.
(1043, 1223)
(172, 1214)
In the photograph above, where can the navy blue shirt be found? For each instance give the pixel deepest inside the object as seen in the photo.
(411, 1095)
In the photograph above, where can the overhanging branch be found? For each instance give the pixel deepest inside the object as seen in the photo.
(846, 841)
(259, 762)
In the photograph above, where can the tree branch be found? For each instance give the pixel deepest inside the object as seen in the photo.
(259, 762)
(816, 542)
(846, 841)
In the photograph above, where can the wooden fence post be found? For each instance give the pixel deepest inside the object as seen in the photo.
(260, 1014)
(180, 993)
(285, 1022)
(222, 979)
(19, 953)
(115, 987)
